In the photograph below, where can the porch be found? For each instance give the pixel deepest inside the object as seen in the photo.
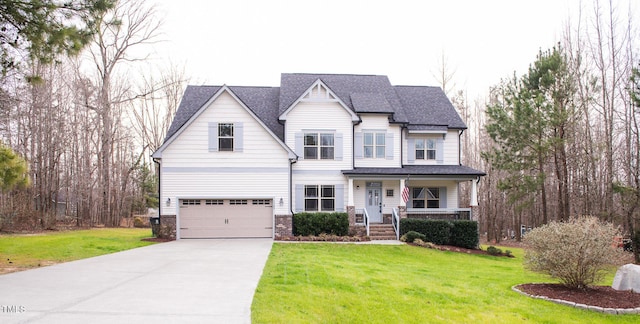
(384, 196)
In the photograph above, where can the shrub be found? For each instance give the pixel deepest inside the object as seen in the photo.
(411, 236)
(576, 252)
(436, 231)
(494, 250)
(306, 224)
(138, 222)
(464, 234)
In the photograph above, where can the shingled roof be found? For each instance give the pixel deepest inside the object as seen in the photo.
(414, 106)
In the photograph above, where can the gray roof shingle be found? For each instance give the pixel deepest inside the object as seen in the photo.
(416, 106)
(418, 170)
(429, 106)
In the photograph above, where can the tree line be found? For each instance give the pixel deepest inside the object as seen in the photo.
(562, 139)
(74, 108)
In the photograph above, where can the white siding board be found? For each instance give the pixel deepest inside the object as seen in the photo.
(190, 148)
(378, 123)
(225, 185)
(186, 159)
(450, 148)
(329, 116)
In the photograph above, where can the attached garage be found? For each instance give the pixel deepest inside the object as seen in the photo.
(225, 218)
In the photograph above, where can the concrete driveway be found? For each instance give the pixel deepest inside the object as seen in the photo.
(186, 281)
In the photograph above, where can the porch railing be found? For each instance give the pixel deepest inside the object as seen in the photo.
(395, 220)
(366, 219)
(440, 213)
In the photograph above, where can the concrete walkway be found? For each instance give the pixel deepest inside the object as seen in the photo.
(186, 281)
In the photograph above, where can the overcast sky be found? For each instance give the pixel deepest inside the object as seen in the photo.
(250, 42)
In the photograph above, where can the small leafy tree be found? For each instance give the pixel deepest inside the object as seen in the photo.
(576, 252)
(13, 169)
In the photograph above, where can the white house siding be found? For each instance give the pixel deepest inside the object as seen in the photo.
(320, 177)
(261, 170)
(388, 203)
(450, 148)
(327, 116)
(378, 123)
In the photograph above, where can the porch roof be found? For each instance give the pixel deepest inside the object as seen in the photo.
(417, 170)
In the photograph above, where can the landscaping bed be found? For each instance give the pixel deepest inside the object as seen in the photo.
(601, 296)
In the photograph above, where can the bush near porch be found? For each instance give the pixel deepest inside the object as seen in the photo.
(307, 224)
(462, 233)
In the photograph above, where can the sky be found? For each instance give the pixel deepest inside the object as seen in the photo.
(251, 42)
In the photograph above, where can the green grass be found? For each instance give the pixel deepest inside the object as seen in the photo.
(18, 252)
(347, 283)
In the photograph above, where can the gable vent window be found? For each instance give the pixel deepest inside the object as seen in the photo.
(319, 146)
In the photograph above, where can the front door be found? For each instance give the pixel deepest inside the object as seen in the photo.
(374, 204)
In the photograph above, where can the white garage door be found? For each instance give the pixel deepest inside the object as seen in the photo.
(226, 218)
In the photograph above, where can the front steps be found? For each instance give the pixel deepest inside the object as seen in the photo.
(381, 232)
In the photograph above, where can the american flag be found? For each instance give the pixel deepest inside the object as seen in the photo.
(405, 194)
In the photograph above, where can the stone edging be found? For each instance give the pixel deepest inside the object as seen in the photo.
(614, 311)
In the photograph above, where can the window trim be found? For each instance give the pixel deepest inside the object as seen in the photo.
(319, 198)
(375, 145)
(319, 146)
(425, 199)
(222, 137)
(427, 153)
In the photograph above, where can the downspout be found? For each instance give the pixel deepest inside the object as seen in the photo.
(291, 162)
(459, 148)
(157, 162)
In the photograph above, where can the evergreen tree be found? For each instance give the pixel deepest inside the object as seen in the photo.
(527, 125)
(45, 28)
(13, 169)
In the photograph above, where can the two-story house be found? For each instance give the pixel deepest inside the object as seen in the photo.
(240, 161)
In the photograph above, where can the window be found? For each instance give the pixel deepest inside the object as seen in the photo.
(210, 202)
(426, 149)
(261, 201)
(374, 145)
(237, 202)
(389, 192)
(190, 202)
(319, 198)
(225, 137)
(318, 146)
(425, 197)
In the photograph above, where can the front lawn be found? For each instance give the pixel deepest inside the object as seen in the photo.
(20, 252)
(348, 283)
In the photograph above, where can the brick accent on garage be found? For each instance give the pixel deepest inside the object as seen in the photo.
(284, 226)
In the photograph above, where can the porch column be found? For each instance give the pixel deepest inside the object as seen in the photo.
(350, 198)
(474, 193)
(400, 200)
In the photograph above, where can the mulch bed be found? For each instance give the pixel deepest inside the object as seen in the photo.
(601, 296)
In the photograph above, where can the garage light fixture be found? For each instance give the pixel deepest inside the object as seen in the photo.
(281, 202)
(168, 201)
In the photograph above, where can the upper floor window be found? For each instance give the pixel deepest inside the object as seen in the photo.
(225, 137)
(374, 145)
(319, 146)
(426, 149)
(425, 197)
(319, 198)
